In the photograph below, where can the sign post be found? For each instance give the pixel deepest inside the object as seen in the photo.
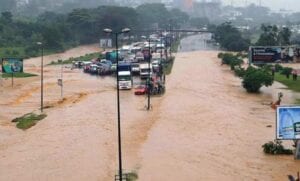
(12, 65)
(297, 152)
(288, 125)
(60, 81)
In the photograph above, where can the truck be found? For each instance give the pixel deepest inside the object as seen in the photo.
(125, 76)
(145, 70)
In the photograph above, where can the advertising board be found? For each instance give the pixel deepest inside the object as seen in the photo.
(10, 65)
(105, 43)
(288, 123)
(273, 54)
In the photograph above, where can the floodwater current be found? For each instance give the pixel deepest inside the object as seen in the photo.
(205, 127)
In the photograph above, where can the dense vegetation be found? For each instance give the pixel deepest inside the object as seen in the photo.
(273, 36)
(18, 36)
(276, 148)
(230, 38)
(253, 78)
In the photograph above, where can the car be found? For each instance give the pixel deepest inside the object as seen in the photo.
(135, 68)
(104, 61)
(78, 64)
(139, 56)
(140, 90)
(155, 64)
(94, 69)
(87, 66)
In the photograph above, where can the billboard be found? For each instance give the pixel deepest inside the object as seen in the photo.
(288, 123)
(105, 43)
(10, 65)
(273, 54)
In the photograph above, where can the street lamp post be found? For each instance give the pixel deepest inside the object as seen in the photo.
(149, 76)
(42, 75)
(125, 30)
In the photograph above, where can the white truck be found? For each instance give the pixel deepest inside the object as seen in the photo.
(125, 76)
(145, 70)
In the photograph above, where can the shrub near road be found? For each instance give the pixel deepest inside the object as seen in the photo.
(253, 78)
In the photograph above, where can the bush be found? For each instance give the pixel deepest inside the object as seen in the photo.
(227, 58)
(242, 55)
(7, 52)
(231, 60)
(278, 68)
(255, 78)
(240, 72)
(220, 55)
(286, 71)
(276, 148)
(28, 120)
(15, 52)
(267, 67)
(235, 62)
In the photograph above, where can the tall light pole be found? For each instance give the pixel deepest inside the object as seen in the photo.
(149, 74)
(125, 30)
(42, 75)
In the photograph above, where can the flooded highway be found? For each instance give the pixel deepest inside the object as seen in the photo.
(206, 127)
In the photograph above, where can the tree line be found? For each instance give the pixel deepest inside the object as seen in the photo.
(231, 39)
(18, 35)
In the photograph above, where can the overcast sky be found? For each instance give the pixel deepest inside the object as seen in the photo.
(273, 4)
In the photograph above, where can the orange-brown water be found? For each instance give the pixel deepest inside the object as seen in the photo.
(206, 127)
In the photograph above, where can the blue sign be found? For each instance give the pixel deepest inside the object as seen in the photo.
(288, 123)
(10, 65)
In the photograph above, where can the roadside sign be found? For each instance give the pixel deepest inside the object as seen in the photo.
(273, 54)
(59, 82)
(288, 123)
(106, 43)
(11, 65)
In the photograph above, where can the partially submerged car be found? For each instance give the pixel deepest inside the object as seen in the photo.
(140, 90)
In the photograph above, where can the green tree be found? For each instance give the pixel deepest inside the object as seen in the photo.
(230, 38)
(285, 36)
(269, 36)
(6, 17)
(287, 71)
(255, 78)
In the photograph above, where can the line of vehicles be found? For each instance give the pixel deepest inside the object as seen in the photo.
(137, 59)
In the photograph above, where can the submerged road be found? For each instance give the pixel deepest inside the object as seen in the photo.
(206, 127)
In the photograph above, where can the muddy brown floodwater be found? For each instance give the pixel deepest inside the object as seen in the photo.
(206, 127)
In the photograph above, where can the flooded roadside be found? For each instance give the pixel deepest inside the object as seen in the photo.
(210, 128)
(206, 127)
